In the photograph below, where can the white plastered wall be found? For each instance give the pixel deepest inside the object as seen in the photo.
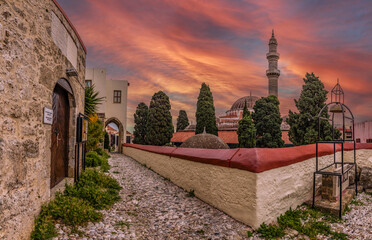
(228, 189)
(252, 198)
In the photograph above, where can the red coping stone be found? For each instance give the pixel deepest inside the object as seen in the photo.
(154, 149)
(262, 159)
(219, 157)
(250, 159)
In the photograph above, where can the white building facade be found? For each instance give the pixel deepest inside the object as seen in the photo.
(114, 107)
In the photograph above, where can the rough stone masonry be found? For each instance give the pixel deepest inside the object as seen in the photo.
(37, 45)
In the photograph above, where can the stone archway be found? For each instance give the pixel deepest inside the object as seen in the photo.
(121, 131)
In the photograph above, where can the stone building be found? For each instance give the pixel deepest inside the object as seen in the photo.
(363, 132)
(114, 107)
(42, 73)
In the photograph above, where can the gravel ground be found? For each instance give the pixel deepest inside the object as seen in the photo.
(358, 222)
(154, 208)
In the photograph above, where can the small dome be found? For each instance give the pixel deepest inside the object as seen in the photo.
(239, 104)
(205, 140)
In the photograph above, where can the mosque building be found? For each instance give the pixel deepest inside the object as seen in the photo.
(228, 123)
(232, 117)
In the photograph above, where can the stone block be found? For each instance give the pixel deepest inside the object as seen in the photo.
(330, 188)
(366, 178)
(2, 145)
(31, 148)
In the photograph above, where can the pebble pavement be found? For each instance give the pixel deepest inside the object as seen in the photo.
(154, 208)
(358, 222)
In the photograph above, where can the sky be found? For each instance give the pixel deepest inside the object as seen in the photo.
(175, 46)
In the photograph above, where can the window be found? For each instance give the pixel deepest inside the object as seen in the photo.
(117, 96)
(369, 140)
(88, 83)
(358, 140)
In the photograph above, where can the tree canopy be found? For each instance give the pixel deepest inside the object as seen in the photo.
(95, 133)
(140, 121)
(159, 128)
(246, 130)
(182, 120)
(267, 121)
(304, 124)
(205, 112)
(91, 100)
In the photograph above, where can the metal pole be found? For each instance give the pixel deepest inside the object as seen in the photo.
(356, 172)
(340, 214)
(75, 166)
(334, 152)
(333, 126)
(316, 156)
(342, 159)
(314, 190)
(77, 162)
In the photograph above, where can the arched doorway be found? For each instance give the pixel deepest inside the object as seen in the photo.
(61, 129)
(119, 126)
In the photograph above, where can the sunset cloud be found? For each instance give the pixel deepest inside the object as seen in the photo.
(174, 46)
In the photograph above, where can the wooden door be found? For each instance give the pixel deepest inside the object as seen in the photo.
(61, 112)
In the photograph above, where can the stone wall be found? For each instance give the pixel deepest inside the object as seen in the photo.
(30, 65)
(251, 185)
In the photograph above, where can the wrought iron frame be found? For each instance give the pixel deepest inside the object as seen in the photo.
(338, 92)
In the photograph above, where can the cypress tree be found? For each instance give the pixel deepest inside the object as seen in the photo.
(205, 112)
(246, 130)
(106, 143)
(182, 120)
(304, 124)
(159, 124)
(267, 120)
(140, 121)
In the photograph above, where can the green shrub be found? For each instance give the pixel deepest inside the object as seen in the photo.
(95, 133)
(291, 219)
(94, 159)
(44, 228)
(270, 231)
(105, 166)
(106, 142)
(72, 210)
(306, 221)
(339, 235)
(95, 177)
(95, 187)
(102, 153)
(98, 197)
(191, 193)
(77, 205)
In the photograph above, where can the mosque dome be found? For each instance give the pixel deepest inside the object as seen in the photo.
(205, 140)
(239, 104)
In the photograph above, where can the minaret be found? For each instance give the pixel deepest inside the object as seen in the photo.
(273, 72)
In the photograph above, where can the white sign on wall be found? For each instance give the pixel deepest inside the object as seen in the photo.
(48, 115)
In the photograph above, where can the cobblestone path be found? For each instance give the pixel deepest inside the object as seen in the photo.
(154, 208)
